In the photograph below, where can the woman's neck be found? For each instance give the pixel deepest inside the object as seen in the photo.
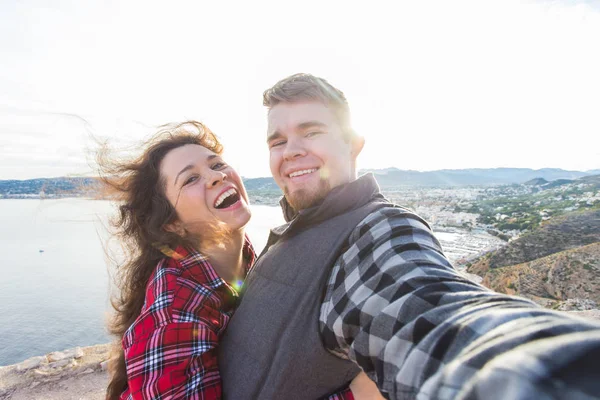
(227, 259)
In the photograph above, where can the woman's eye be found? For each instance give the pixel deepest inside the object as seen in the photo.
(219, 165)
(191, 179)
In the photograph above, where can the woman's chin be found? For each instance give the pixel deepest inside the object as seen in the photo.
(236, 219)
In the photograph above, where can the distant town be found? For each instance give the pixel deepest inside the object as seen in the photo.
(477, 216)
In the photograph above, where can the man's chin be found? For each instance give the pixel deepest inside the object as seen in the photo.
(301, 199)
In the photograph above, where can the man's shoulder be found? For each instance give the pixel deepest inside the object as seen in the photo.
(391, 216)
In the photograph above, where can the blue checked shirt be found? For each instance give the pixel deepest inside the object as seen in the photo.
(396, 306)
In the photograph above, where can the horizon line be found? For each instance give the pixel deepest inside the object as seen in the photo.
(364, 170)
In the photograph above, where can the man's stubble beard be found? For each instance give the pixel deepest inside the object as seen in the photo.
(305, 198)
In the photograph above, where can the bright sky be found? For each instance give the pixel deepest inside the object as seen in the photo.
(431, 85)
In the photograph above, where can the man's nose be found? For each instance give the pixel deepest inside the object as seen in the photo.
(293, 149)
(215, 177)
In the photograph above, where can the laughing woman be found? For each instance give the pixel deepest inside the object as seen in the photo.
(182, 213)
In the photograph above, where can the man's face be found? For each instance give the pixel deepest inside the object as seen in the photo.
(308, 154)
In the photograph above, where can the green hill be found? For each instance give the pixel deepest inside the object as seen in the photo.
(561, 233)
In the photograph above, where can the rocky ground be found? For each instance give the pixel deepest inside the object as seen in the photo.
(80, 373)
(570, 274)
(73, 374)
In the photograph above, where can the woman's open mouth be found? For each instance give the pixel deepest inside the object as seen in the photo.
(227, 199)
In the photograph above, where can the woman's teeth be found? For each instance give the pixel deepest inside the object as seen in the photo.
(303, 172)
(223, 196)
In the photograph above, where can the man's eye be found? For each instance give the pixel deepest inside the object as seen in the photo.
(278, 143)
(219, 165)
(313, 133)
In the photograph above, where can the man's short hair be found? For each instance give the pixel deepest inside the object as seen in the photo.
(306, 87)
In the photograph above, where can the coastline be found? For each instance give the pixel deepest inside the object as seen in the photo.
(81, 373)
(74, 373)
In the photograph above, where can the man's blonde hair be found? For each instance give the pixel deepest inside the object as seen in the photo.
(307, 87)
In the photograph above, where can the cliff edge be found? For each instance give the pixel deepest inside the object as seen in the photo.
(78, 373)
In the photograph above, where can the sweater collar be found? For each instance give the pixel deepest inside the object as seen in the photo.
(339, 200)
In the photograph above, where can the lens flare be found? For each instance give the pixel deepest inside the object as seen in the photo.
(237, 285)
(324, 173)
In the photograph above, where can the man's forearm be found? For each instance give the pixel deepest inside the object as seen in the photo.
(395, 305)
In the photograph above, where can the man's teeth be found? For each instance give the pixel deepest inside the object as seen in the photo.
(303, 172)
(223, 196)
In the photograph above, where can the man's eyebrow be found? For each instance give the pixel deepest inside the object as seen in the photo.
(311, 124)
(273, 136)
(302, 126)
(190, 166)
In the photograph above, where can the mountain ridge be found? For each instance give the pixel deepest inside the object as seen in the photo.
(394, 177)
(387, 178)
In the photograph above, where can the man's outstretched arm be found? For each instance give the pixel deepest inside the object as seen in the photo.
(396, 306)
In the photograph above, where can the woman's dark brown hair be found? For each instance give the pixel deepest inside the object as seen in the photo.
(143, 212)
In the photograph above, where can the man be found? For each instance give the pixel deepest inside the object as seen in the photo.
(353, 280)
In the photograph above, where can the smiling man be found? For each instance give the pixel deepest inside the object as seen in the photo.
(353, 282)
(311, 152)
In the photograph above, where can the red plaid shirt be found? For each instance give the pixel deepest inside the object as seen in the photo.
(171, 349)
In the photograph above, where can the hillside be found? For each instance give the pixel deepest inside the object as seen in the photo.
(65, 186)
(536, 181)
(570, 274)
(595, 179)
(557, 183)
(390, 177)
(561, 233)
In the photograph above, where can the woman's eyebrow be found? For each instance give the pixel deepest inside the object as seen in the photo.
(186, 168)
(190, 166)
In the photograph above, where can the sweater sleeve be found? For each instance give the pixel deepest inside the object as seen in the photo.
(395, 305)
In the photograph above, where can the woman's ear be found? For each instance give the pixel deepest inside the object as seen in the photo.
(176, 228)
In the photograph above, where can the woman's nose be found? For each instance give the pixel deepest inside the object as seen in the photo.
(215, 178)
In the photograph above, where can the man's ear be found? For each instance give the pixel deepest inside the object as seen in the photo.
(357, 143)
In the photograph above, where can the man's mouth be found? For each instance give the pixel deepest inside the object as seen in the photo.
(227, 199)
(302, 172)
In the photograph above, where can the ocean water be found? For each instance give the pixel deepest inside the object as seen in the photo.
(54, 276)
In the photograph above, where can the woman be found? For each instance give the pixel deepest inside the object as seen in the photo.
(182, 215)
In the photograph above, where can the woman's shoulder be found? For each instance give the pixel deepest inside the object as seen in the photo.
(176, 293)
(183, 264)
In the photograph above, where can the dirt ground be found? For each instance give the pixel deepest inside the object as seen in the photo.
(81, 387)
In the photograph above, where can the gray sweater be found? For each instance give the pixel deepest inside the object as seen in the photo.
(272, 348)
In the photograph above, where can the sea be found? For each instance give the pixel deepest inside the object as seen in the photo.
(55, 277)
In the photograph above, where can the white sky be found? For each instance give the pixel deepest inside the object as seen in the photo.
(431, 85)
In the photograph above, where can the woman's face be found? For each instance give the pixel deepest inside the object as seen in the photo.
(203, 189)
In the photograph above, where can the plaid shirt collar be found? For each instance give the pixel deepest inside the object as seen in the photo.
(187, 256)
